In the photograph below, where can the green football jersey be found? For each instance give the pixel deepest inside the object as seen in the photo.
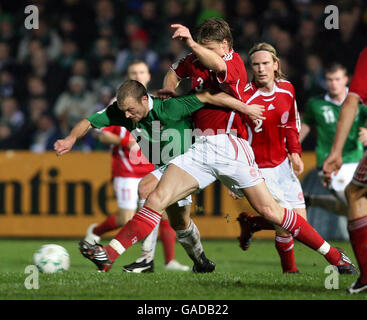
(322, 113)
(164, 133)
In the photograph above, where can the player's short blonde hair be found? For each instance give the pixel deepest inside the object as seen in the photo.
(130, 88)
(264, 46)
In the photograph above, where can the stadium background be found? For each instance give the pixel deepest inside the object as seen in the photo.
(77, 58)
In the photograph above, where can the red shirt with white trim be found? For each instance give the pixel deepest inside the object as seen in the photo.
(358, 85)
(272, 139)
(122, 164)
(212, 119)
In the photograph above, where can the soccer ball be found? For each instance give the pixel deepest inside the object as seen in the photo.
(51, 258)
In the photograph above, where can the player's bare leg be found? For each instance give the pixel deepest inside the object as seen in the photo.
(357, 228)
(328, 202)
(145, 262)
(167, 193)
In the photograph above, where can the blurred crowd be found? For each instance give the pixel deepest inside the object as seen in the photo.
(70, 67)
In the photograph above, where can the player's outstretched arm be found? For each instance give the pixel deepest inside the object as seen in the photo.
(345, 121)
(222, 99)
(207, 57)
(63, 146)
(170, 82)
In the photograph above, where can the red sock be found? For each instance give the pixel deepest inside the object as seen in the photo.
(168, 237)
(358, 237)
(135, 230)
(304, 232)
(108, 225)
(284, 246)
(260, 223)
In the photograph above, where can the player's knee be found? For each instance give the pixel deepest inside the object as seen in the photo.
(354, 192)
(157, 200)
(144, 189)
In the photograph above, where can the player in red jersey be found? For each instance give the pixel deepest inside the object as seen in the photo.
(216, 154)
(276, 146)
(357, 189)
(126, 177)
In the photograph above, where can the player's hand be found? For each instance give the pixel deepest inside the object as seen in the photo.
(254, 111)
(63, 146)
(362, 136)
(297, 163)
(182, 33)
(166, 93)
(331, 165)
(233, 195)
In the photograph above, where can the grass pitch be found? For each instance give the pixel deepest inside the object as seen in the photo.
(254, 274)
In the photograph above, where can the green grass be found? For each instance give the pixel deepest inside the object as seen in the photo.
(255, 274)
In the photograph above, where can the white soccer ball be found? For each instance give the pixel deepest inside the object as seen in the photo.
(51, 258)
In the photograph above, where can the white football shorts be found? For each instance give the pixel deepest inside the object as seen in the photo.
(126, 190)
(158, 173)
(224, 157)
(284, 185)
(341, 180)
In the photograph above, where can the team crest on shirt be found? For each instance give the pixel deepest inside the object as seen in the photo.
(301, 197)
(284, 117)
(253, 172)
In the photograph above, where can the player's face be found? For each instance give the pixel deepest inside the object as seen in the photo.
(220, 48)
(263, 67)
(336, 82)
(134, 109)
(139, 72)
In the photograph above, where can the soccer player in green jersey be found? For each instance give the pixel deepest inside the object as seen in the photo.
(322, 112)
(154, 121)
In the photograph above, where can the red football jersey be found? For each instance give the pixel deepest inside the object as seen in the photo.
(122, 166)
(272, 139)
(213, 119)
(358, 85)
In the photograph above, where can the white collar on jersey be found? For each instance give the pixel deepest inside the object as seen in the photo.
(329, 99)
(268, 94)
(150, 102)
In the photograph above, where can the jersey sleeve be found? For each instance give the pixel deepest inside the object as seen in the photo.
(358, 85)
(110, 116)
(112, 129)
(181, 107)
(231, 75)
(182, 67)
(292, 129)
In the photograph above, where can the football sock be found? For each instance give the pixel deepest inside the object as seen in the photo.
(135, 230)
(108, 225)
(168, 237)
(148, 245)
(190, 240)
(357, 229)
(304, 232)
(284, 246)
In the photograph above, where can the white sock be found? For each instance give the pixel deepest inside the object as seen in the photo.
(141, 203)
(190, 240)
(148, 245)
